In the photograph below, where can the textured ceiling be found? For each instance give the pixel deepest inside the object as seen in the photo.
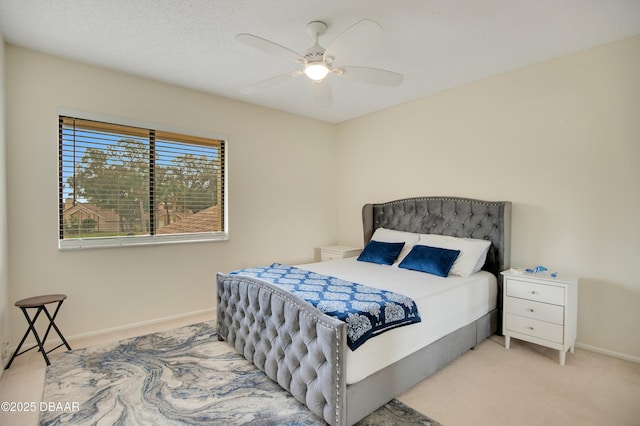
(436, 44)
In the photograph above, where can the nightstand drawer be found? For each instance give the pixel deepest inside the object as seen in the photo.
(534, 291)
(531, 327)
(338, 252)
(540, 308)
(536, 310)
(329, 255)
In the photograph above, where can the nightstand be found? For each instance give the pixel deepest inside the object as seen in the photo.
(540, 309)
(338, 252)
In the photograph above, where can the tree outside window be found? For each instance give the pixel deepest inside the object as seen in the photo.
(121, 181)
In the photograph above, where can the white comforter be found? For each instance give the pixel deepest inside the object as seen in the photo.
(445, 304)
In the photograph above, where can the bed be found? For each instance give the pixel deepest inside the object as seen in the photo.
(305, 351)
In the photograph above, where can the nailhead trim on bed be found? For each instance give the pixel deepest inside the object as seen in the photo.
(259, 320)
(458, 217)
(257, 317)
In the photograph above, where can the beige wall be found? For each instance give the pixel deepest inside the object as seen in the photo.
(282, 199)
(561, 140)
(4, 303)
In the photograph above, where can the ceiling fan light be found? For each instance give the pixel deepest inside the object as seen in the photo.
(316, 72)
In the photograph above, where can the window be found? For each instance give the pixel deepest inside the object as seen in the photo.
(125, 185)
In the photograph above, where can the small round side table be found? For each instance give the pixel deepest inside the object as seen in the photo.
(40, 303)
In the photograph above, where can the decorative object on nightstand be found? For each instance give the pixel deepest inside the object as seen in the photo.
(540, 307)
(338, 252)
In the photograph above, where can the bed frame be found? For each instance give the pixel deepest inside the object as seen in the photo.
(303, 350)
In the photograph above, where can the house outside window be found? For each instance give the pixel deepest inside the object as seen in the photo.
(122, 184)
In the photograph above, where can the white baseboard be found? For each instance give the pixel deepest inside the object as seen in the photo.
(128, 327)
(157, 321)
(608, 352)
(138, 325)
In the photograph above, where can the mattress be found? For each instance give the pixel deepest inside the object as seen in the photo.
(445, 304)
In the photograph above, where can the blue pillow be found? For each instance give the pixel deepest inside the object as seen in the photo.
(432, 260)
(381, 253)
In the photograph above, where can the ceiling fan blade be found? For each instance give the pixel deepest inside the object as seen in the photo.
(322, 93)
(268, 47)
(270, 82)
(372, 75)
(353, 37)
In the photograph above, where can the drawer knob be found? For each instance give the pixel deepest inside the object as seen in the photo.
(531, 328)
(530, 310)
(533, 292)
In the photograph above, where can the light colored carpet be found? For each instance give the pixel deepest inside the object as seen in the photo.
(182, 376)
(597, 389)
(526, 385)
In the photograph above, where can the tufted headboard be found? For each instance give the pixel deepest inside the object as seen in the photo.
(458, 217)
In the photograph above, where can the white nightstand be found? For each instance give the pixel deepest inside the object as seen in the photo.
(338, 252)
(541, 309)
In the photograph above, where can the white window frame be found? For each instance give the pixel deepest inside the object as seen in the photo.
(143, 240)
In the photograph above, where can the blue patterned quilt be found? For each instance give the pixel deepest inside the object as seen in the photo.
(367, 311)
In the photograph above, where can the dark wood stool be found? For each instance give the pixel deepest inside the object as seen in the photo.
(39, 303)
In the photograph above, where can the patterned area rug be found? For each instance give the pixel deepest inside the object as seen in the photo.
(179, 377)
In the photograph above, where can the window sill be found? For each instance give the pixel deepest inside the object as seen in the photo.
(107, 242)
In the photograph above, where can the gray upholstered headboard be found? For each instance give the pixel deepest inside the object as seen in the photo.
(458, 217)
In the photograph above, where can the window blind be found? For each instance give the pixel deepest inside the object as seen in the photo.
(118, 181)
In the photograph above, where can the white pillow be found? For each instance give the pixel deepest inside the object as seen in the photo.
(410, 239)
(473, 252)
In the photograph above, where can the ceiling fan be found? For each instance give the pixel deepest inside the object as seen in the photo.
(317, 62)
